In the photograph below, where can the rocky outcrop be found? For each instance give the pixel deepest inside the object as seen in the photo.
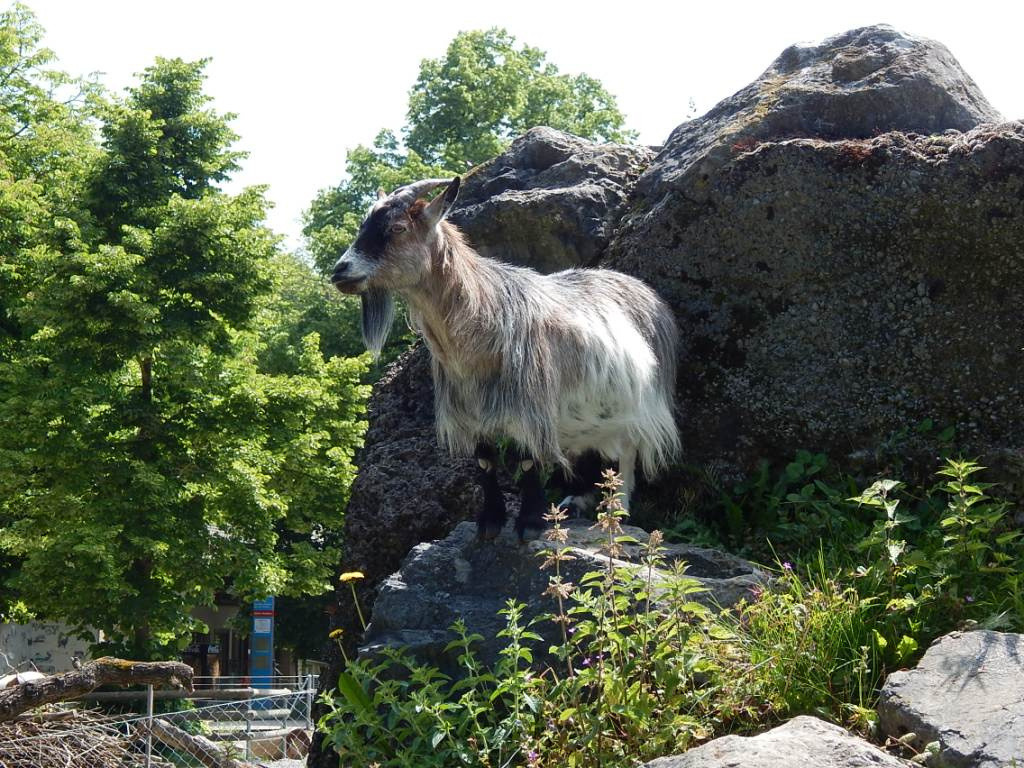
(462, 577)
(835, 289)
(803, 741)
(551, 201)
(841, 243)
(967, 696)
(855, 85)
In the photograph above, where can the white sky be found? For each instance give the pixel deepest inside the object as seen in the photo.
(309, 80)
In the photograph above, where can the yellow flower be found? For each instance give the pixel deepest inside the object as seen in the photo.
(335, 634)
(351, 576)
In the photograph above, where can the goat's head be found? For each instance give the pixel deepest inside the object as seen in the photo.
(393, 251)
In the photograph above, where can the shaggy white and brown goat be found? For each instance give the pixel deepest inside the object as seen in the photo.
(564, 364)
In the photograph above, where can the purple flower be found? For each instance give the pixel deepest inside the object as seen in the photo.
(969, 598)
(586, 662)
(787, 566)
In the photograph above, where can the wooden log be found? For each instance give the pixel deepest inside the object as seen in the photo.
(212, 694)
(104, 671)
(199, 747)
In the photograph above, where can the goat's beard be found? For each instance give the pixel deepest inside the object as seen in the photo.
(378, 313)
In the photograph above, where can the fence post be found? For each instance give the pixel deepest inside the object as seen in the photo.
(309, 701)
(149, 725)
(249, 714)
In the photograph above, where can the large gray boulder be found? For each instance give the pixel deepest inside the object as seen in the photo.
(551, 201)
(803, 741)
(839, 288)
(854, 85)
(967, 694)
(460, 577)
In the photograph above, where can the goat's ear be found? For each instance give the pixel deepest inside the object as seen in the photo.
(440, 205)
(381, 194)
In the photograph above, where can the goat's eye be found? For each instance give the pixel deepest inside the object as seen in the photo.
(397, 228)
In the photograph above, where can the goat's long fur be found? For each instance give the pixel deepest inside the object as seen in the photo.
(561, 363)
(579, 360)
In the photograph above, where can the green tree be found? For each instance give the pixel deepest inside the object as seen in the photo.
(465, 108)
(468, 105)
(149, 453)
(46, 149)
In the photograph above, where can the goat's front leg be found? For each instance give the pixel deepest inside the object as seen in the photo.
(491, 517)
(533, 503)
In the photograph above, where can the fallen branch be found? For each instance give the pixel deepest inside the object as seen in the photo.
(77, 682)
(201, 748)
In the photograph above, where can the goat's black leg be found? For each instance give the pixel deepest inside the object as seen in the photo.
(580, 489)
(533, 503)
(491, 518)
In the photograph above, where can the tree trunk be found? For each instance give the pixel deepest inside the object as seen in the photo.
(104, 671)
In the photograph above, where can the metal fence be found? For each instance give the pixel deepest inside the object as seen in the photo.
(222, 724)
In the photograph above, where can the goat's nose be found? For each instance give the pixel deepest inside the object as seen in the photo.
(339, 270)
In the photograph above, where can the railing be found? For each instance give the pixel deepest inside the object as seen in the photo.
(265, 726)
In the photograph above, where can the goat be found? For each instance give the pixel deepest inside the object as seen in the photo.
(562, 364)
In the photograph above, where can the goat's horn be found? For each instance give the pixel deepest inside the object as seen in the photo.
(419, 188)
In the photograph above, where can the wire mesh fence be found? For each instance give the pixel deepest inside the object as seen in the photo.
(257, 729)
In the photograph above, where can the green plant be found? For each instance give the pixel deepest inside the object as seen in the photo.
(642, 669)
(808, 647)
(631, 678)
(955, 558)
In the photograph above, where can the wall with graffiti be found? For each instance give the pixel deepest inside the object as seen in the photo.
(42, 645)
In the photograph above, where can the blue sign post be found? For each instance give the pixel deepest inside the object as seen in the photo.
(261, 645)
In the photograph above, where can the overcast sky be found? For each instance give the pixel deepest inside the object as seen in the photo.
(309, 80)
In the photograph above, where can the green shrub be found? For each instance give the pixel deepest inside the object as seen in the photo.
(643, 670)
(629, 681)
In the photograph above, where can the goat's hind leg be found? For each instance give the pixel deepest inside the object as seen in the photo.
(581, 487)
(491, 517)
(532, 501)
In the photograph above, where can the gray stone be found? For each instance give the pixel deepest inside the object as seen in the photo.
(854, 85)
(967, 693)
(803, 741)
(551, 201)
(835, 289)
(460, 577)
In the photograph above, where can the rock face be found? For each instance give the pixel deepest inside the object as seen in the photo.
(852, 86)
(461, 577)
(836, 289)
(551, 201)
(803, 741)
(967, 694)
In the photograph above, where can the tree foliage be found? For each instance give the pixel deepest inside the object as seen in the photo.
(168, 426)
(468, 105)
(464, 108)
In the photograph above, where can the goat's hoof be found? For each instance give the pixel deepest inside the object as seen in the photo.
(577, 506)
(488, 531)
(529, 529)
